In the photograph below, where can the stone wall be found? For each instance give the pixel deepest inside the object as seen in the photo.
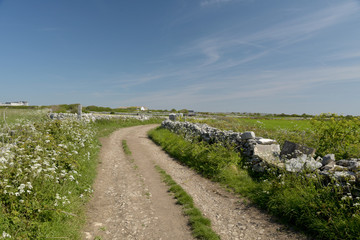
(262, 153)
(93, 117)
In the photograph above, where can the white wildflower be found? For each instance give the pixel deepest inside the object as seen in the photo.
(5, 235)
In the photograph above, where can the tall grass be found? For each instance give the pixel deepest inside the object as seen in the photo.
(323, 211)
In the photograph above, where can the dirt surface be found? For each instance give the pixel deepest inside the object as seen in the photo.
(131, 202)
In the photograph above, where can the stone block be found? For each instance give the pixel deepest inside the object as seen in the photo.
(328, 158)
(265, 141)
(345, 176)
(293, 150)
(247, 135)
(267, 153)
(172, 116)
(303, 162)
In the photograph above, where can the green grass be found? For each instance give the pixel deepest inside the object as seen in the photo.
(126, 147)
(274, 124)
(323, 211)
(200, 226)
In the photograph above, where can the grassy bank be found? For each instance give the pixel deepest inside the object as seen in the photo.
(46, 172)
(324, 212)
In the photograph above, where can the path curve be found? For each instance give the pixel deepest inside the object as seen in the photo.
(125, 196)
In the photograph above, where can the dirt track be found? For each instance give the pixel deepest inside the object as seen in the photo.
(131, 202)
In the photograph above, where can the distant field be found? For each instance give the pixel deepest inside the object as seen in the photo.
(11, 114)
(274, 124)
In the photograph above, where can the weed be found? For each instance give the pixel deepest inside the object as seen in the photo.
(126, 147)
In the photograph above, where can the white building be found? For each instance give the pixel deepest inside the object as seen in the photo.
(19, 103)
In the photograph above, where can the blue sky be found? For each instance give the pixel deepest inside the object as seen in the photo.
(279, 56)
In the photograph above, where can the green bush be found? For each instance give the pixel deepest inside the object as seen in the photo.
(338, 135)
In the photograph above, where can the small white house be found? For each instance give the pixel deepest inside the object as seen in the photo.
(19, 103)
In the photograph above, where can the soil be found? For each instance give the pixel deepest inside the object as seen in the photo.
(131, 202)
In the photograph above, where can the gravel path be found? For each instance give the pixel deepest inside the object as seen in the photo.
(131, 202)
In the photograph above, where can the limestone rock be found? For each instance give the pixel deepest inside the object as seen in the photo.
(172, 116)
(301, 163)
(267, 153)
(265, 141)
(328, 158)
(248, 135)
(293, 150)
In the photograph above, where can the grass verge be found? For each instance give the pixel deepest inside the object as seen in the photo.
(200, 226)
(324, 212)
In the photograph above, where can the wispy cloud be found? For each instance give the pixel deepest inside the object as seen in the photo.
(205, 3)
(268, 85)
(345, 55)
(218, 68)
(304, 27)
(218, 48)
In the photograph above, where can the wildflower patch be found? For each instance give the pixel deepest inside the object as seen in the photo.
(42, 163)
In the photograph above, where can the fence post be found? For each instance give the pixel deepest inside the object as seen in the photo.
(79, 111)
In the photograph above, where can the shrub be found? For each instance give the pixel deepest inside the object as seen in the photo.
(337, 134)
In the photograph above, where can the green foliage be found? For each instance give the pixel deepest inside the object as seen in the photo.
(200, 226)
(63, 108)
(323, 211)
(337, 134)
(46, 170)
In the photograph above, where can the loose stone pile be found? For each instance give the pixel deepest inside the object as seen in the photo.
(262, 153)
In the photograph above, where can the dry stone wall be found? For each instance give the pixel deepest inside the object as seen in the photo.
(93, 117)
(261, 153)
